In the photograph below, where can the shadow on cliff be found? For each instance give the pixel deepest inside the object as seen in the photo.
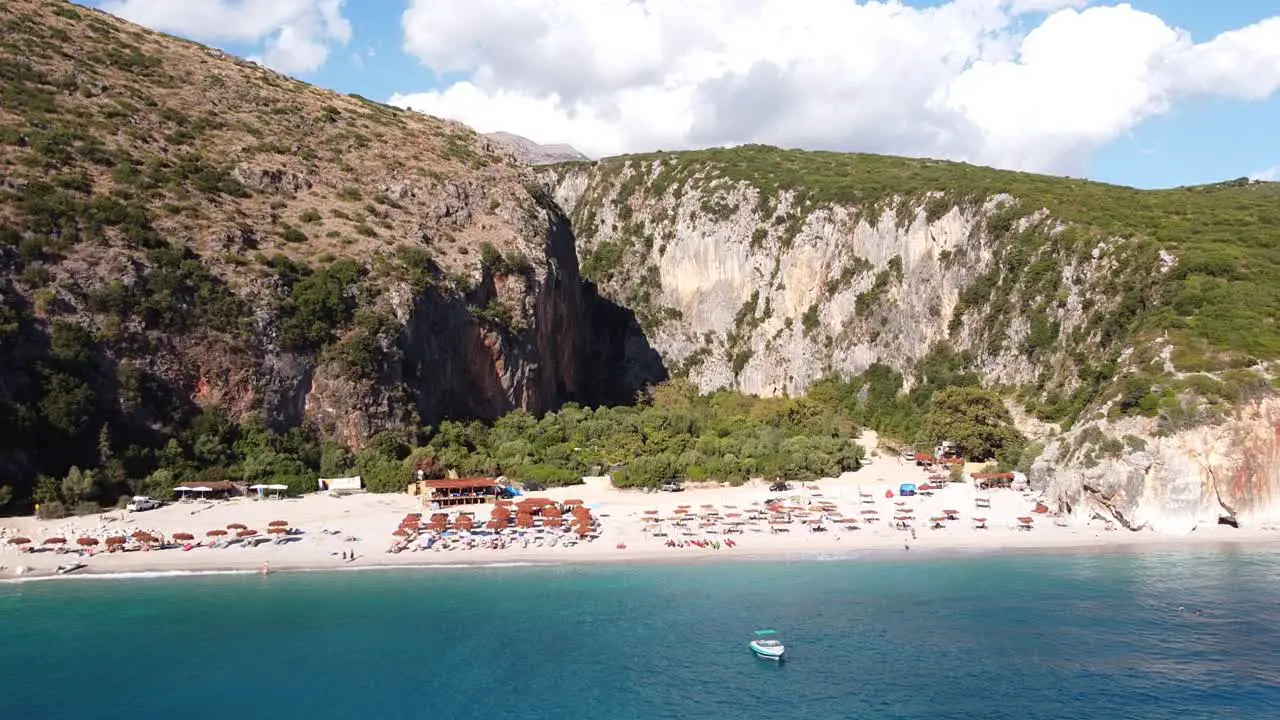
(615, 359)
(620, 360)
(581, 346)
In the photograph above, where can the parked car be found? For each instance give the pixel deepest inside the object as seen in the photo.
(779, 486)
(672, 486)
(142, 502)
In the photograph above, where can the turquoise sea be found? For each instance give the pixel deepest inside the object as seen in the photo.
(1136, 636)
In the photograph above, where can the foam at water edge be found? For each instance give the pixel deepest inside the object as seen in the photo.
(128, 575)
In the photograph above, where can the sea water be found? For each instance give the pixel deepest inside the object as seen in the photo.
(1134, 635)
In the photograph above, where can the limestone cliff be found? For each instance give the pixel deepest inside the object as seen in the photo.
(766, 294)
(764, 270)
(1142, 475)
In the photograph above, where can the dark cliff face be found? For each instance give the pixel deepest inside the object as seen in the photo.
(571, 345)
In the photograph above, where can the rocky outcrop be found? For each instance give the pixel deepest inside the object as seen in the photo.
(1143, 478)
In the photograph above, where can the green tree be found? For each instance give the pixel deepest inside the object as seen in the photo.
(79, 486)
(975, 419)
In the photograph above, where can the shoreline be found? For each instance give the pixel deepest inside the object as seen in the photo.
(852, 552)
(861, 516)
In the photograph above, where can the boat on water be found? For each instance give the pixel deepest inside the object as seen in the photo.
(766, 647)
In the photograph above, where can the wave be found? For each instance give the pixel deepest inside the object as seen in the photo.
(132, 575)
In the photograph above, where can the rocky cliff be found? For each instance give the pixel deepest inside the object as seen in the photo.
(181, 231)
(1144, 476)
(764, 270)
(766, 293)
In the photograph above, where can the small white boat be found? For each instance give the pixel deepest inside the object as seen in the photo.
(767, 648)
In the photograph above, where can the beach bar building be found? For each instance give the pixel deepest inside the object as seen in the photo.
(986, 480)
(463, 491)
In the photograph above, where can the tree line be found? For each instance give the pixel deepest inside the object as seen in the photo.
(672, 433)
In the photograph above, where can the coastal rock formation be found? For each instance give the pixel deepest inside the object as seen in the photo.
(764, 270)
(1132, 472)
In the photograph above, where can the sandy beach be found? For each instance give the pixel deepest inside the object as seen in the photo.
(857, 512)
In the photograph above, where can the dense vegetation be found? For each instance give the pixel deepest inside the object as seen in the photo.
(676, 434)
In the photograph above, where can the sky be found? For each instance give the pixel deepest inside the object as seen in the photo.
(1149, 93)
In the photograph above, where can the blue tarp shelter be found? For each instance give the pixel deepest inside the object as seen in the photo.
(906, 490)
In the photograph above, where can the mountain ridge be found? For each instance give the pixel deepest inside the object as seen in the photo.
(531, 153)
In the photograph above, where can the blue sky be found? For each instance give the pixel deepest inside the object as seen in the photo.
(498, 71)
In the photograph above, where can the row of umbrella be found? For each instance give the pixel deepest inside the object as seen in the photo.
(241, 530)
(552, 516)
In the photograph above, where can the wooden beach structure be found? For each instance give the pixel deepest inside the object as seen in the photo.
(463, 491)
(987, 480)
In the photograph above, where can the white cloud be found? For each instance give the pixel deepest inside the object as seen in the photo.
(1027, 84)
(1268, 175)
(296, 35)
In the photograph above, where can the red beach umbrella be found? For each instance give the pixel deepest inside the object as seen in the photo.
(582, 530)
(1023, 520)
(495, 524)
(86, 541)
(285, 523)
(216, 533)
(183, 536)
(237, 526)
(400, 533)
(118, 540)
(277, 530)
(19, 541)
(246, 533)
(56, 541)
(575, 501)
(139, 535)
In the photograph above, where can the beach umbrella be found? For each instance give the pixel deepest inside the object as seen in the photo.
(553, 522)
(552, 512)
(118, 540)
(524, 520)
(463, 522)
(575, 501)
(140, 534)
(495, 524)
(401, 533)
(86, 541)
(582, 530)
(19, 541)
(216, 533)
(285, 523)
(278, 530)
(56, 541)
(246, 533)
(237, 526)
(183, 536)
(1023, 520)
(146, 539)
